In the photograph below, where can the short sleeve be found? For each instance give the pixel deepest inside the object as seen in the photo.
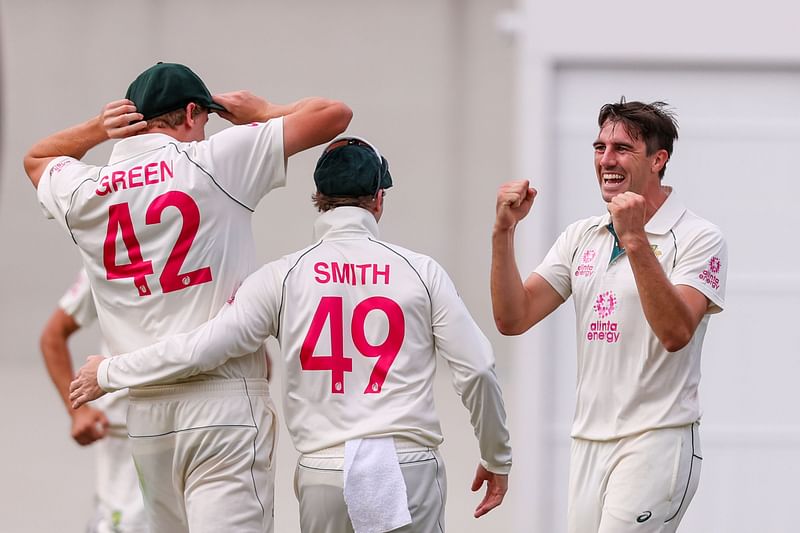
(78, 302)
(247, 161)
(555, 268)
(56, 186)
(702, 263)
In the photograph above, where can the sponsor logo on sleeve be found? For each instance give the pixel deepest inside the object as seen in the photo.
(586, 268)
(710, 276)
(604, 329)
(58, 167)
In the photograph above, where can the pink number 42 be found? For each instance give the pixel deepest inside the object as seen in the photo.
(171, 279)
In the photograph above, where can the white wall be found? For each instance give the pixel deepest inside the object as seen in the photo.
(429, 83)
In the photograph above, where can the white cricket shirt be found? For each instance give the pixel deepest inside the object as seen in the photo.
(78, 303)
(627, 382)
(165, 229)
(359, 322)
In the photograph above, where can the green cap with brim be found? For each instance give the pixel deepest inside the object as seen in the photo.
(351, 170)
(165, 87)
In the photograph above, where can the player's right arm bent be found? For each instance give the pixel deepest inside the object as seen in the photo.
(517, 306)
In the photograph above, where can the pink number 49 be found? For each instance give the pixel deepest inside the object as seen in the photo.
(330, 307)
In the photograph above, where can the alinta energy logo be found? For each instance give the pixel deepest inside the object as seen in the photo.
(586, 268)
(603, 329)
(710, 276)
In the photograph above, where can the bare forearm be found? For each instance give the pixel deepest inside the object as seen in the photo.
(666, 312)
(281, 110)
(313, 121)
(310, 104)
(58, 362)
(508, 291)
(72, 142)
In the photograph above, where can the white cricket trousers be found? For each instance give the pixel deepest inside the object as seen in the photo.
(204, 453)
(118, 501)
(319, 487)
(637, 484)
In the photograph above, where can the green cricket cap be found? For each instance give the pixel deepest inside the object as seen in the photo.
(351, 167)
(165, 87)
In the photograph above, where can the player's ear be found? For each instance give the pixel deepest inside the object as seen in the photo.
(660, 159)
(189, 119)
(377, 205)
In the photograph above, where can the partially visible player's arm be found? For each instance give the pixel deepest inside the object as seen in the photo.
(79, 139)
(240, 328)
(88, 424)
(471, 359)
(517, 306)
(307, 122)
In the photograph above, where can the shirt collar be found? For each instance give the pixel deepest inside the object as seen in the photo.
(343, 221)
(127, 148)
(667, 215)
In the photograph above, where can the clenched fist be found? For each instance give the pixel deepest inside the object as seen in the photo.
(629, 215)
(514, 201)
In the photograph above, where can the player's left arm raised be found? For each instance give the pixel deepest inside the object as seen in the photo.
(79, 139)
(672, 311)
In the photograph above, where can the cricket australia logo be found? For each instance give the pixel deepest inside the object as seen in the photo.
(656, 250)
(586, 268)
(710, 276)
(602, 329)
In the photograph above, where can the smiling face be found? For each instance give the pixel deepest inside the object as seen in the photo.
(622, 163)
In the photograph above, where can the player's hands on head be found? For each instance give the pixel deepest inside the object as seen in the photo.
(88, 425)
(496, 488)
(84, 387)
(514, 201)
(243, 107)
(120, 119)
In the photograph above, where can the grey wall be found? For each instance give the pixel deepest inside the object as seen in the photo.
(430, 84)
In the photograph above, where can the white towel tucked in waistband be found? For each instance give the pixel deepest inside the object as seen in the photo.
(374, 489)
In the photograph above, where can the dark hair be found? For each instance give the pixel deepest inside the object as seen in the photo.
(654, 123)
(326, 203)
